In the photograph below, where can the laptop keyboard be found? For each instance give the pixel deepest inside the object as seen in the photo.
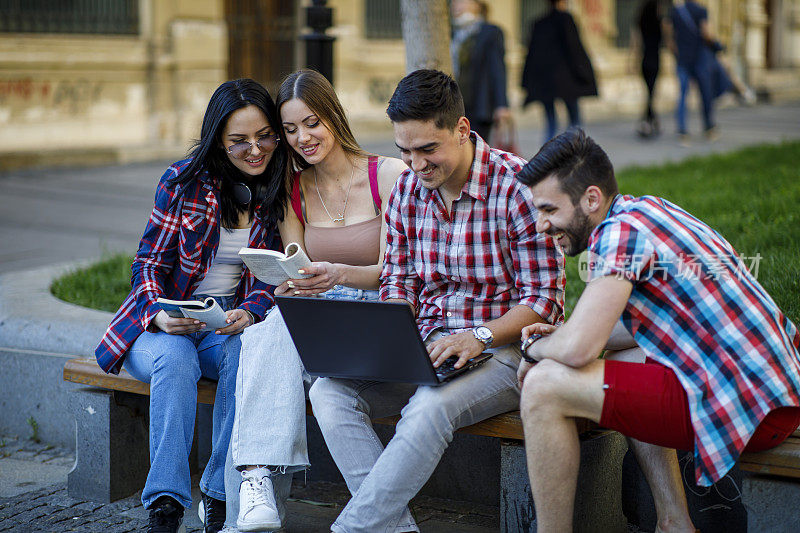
(447, 366)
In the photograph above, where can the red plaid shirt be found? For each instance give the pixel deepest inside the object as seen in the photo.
(462, 269)
(175, 252)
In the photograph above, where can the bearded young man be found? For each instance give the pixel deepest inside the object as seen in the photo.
(722, 374)
(463, 252)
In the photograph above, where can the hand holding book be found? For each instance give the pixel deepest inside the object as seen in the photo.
(180, 317)
(323, 276)
(273, 267)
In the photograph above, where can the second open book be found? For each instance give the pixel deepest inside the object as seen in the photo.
(273, 267)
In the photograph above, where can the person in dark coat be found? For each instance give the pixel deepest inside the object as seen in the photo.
(478, 54)
(649, 24)
(557, 66)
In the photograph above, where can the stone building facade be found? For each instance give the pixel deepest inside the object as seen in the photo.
(121, 80)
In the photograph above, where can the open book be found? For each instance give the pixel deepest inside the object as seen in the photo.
(207, 311)
(272, 267)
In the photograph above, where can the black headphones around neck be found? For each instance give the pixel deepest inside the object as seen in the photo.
(243, 194)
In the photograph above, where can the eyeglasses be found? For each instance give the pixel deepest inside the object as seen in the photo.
(266, 143)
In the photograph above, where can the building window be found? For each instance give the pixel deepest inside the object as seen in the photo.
(70, 16)
(529, 11)
(627, 13)
(382, 19)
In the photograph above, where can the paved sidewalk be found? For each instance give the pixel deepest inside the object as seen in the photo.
(33, 498)
(60, 215)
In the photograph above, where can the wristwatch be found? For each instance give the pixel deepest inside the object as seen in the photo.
(527, 344)
(483, 334)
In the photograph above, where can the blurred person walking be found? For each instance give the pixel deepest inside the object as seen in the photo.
(557, 66)
(478, 54)
(649, 38)
(693, 44)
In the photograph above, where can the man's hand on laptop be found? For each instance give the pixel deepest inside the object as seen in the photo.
(464, 345)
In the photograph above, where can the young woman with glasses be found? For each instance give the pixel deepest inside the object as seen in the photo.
(336, 213)
(228, 194)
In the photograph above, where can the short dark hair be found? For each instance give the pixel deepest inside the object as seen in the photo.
(576, 161)
(427, 95)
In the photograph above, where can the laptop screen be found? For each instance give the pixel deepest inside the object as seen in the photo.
(357, 339)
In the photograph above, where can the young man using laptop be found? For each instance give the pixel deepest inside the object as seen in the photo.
(463, 252)
(723, 370)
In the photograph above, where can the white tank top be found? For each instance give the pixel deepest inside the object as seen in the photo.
(225, 271)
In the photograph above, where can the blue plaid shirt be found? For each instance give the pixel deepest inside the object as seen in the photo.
(696, 308)
(175, 252)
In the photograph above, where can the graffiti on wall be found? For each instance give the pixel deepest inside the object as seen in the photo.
(594, 16)
(72, 97)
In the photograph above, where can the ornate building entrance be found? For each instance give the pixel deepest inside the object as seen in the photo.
(262, 39)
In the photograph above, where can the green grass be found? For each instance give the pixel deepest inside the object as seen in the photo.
(103, 285)
(752, 197)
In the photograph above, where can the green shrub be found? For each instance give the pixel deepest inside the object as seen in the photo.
(103, 285)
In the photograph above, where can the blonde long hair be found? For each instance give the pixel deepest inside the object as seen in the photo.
(314, 90)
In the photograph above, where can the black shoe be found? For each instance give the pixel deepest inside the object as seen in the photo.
(166, 516)
(214, 511)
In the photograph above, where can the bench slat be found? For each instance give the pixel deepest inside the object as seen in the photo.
(783, 460)
(86, 372)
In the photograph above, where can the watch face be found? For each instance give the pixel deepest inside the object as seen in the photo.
(484, 333)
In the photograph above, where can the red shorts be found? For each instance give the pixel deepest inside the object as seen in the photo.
(648, 403)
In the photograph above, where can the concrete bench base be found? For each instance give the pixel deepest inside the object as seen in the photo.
(772, 503)
(111, 451)
(597, 500)
(112, 461)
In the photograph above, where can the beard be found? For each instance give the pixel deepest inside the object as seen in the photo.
(577, 234)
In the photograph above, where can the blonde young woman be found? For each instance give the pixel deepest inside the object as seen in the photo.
(336, 213)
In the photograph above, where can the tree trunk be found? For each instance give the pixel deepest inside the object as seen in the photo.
(426, 32)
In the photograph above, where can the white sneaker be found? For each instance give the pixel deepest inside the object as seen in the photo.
(257, 508)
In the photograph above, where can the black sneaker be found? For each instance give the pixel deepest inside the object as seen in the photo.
(213, 514)
(166, 516)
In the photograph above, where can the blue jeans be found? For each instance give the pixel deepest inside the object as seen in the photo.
(573, 112)
(701, 74)
(382, 481)
(172, 365)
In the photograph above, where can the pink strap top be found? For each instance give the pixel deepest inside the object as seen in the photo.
(355, 244)
(372, 174)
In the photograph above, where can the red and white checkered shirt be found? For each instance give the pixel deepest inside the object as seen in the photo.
(470, 266)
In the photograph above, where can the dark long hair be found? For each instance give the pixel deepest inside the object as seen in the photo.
(208, 155)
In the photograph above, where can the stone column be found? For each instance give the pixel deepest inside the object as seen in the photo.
(755, 51)
(793, 34)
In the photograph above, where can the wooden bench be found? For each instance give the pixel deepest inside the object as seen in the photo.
(783, 460)
(112, 452)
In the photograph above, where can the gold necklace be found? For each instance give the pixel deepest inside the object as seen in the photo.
(339, 218)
